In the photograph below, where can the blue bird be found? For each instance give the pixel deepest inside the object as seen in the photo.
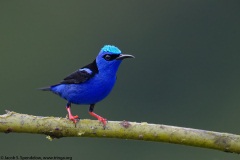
(91, 83)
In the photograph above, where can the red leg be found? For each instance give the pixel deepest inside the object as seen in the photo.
(70, 116)
(101, 119)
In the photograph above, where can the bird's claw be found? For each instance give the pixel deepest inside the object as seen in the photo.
(75, 119)
(103, 120)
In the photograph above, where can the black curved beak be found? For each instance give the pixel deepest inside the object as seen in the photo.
(123, 56)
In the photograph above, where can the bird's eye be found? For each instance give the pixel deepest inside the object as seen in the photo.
(107, 57)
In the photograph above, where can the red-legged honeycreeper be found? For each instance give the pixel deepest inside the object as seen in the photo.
(91, 83)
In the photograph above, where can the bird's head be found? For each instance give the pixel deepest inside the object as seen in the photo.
(109, 58)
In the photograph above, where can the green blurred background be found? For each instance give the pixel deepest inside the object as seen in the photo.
(186, 70)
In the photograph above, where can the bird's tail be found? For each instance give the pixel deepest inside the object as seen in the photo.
(45, 88)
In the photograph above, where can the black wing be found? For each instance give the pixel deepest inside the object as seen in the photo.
(78, 76)
(81, 75)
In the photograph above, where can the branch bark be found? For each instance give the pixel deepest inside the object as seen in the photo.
(56, 127)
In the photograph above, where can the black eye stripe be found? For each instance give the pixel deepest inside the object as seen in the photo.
(110, 57)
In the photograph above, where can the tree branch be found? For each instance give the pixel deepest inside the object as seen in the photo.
(55, 127)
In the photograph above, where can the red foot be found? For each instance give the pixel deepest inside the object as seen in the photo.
(101, 119)
(73, 118)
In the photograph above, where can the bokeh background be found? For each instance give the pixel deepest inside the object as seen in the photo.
(186, 70)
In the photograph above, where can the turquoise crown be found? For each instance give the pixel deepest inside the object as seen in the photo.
(111, 49)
